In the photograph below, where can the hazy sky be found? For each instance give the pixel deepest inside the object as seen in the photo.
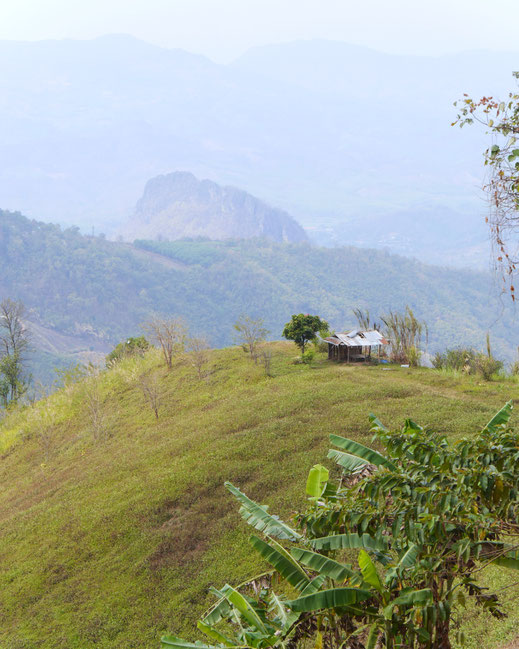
(223, 29)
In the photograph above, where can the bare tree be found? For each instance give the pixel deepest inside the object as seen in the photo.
(250, 333)
(199, 355)
(266, 359)
(14, 337)
(14, 344)
(170, 334)
(149, 386)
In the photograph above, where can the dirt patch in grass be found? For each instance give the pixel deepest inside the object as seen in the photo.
(185, 525)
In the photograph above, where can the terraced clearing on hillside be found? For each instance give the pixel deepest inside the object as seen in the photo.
(109, 542)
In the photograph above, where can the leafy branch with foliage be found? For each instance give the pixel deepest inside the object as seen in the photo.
(384, 556)
(501, 119)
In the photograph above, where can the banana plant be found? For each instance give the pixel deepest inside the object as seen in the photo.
(383, 555)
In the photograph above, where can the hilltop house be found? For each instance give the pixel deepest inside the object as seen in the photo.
(355, 345)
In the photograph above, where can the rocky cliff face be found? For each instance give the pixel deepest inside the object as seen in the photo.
(178, 205)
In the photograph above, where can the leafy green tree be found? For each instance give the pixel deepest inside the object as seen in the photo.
(421, 522)
(303, 328)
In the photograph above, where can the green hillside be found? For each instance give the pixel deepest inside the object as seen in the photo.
(112, 528)
(102, 291)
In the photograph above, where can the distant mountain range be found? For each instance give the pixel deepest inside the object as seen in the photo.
(177, 205)
(343, 138)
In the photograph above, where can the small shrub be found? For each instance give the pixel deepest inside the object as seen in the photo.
(413, 356)
(308, 356)
(468, 361)
(487, 366)
(131, 347)
(458, 359)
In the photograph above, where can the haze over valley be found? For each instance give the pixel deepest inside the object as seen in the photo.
(355, 144)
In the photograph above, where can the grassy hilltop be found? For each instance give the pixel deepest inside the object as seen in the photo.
(111, 534)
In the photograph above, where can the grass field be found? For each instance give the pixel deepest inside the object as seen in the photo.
(113, 525)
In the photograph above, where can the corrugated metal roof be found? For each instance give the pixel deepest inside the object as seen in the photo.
(358, 338)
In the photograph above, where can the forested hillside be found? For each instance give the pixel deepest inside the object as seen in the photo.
(101, 290)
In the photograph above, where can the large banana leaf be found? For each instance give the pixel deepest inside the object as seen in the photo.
(219, 611)
(349, 541)
(368, 570)
(317, 479)
(178, 643)
(212, 633)
(361, 451)
(325, 566)
(422, 597)
(278, 608)
(332, 598)
(409, 558)
(346, 460)
(373, 635)
(376, 424)
(282, 561)
(260, 519)
(501, 417)
(243, 607)
(314, 585)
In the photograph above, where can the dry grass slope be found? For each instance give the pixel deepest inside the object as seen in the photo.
(113, 527)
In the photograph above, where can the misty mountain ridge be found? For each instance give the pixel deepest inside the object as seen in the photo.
(334, 134)
(178, 205)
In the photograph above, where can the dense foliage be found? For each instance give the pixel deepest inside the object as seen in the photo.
(88, 286)
(426, 518)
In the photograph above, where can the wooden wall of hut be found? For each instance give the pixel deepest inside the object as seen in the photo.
(343, 352)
